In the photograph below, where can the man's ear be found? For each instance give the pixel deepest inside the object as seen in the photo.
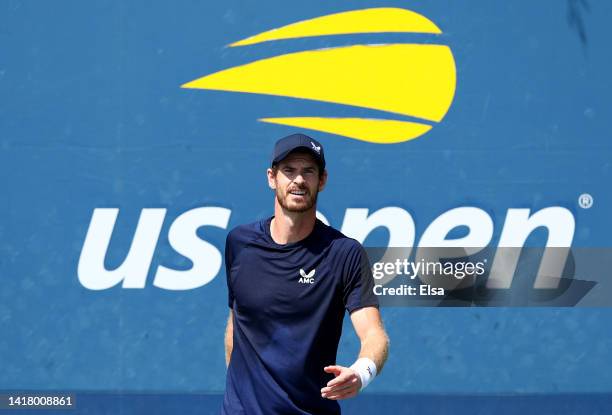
(271, 173)
(322, 180)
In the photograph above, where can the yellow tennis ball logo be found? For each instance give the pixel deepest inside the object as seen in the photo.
(402, 79)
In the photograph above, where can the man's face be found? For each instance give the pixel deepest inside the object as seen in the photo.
(297, 182)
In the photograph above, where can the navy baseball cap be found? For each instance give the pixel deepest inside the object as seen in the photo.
(292, 142)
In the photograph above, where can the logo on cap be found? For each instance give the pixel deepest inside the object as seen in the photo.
(315, 147)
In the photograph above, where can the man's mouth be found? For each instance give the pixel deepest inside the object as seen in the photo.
(297, 192)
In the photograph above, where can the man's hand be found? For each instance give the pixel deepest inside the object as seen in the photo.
(346, 384)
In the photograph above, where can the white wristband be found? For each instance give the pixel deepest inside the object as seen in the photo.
(366, 369)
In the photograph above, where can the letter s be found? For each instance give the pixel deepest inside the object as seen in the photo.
(206, 258)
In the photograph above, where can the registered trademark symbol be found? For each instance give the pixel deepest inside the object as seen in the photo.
(585, 200)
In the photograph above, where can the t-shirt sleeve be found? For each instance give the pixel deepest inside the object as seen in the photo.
(228, 267)
(358, 280)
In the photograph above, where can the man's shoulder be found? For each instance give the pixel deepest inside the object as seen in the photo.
(245, 232)
(340, 240)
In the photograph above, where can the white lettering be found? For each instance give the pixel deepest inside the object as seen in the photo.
(358, 225)
(560, 225)
(134, 269)
(480, 226)
(206, 258)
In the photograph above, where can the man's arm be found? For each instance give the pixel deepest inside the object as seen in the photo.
(229, 338)
(374, 339)
(374, 346)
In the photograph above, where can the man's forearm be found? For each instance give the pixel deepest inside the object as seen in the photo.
(375, 346)
(229, 339)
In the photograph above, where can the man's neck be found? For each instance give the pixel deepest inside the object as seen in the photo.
(288, 227)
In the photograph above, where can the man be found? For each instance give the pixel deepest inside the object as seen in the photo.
(290, 278)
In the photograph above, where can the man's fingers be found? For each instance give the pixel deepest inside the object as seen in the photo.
(346, 384)
(336, 370)
(344, 377)
(350, 383)
(342, 395)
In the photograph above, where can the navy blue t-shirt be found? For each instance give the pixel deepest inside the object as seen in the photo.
(288, 304)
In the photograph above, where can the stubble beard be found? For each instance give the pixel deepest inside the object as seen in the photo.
(301, 208)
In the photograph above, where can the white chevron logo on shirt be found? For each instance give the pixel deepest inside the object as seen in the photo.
(307, 278)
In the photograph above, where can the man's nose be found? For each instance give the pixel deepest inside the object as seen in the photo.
(299, 178)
